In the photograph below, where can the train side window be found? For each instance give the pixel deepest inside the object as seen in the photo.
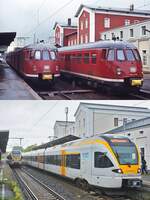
(73, 161)
(67, 57)
(120, 55)
(31, 54)
(101, 160)
(111, 55)
(94, 58)
(46, 55)
(79, 58)
(103, 55)
(53, 55)
(37, 55)
(86, 58)
(130, 55)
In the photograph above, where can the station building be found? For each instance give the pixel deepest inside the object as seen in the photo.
(138, 131)
(138, 34)
(63, 129)
(65, 34)
(93, 20)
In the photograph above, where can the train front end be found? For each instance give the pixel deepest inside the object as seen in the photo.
(15, 158)
(127, 170)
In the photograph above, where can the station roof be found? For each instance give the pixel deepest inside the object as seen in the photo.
(5, 39)
(57, 142)
(4, 135)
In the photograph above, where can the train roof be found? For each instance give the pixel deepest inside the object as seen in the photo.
(99, 44)
(40, 46)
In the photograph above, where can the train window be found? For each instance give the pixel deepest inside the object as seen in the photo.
(94, 57)
(73, 161)
(104, 51)
(53, 55)
(79, 58)
(120, 55)
(111, 55)
(130, 55)
(31, 54)
(101, 160)
(67, 57)
(37, 55)
(46, 55)
(86, 58)
(136, 54)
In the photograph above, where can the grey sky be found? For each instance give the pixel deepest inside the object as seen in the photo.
(34, 120)
(21, 15)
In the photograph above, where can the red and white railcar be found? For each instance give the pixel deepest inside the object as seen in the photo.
(35, 62)
(113, 63)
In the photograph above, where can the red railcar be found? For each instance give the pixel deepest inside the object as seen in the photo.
(112, 63)
(35, 62)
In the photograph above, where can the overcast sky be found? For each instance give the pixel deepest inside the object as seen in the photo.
(34, 120)
(22, 15)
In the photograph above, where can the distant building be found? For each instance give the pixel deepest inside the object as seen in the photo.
(65, 34)
(138, 34)
(93, 20)
(62, 129)
(92, 119)
(138, 131)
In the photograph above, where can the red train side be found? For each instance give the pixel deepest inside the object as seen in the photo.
(112, 63)
(35, 62)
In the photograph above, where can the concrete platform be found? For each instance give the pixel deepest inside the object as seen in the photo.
(12, 87)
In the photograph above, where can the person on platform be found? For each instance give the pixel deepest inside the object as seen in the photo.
(144, 166)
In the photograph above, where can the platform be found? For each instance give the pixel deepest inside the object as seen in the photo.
(12, 87)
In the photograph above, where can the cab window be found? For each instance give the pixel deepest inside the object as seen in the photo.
(136, 54)
(37, 55)
(130, 55)
(111, 55)
(53, 55)
(101, 160)
(46, 55)
(120, 55)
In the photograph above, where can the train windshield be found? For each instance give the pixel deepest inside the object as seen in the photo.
(126, 153)
(46, 55)
(16, 152)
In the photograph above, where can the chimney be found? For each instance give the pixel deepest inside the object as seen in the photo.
(69, 21)
(131, 7)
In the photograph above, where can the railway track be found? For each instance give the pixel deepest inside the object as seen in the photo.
(34, 189)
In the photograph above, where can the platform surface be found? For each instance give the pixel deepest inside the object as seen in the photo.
(13, 87)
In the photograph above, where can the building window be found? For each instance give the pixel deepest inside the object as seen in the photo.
(141, 132)
(106, 22)
(81, 25)
(131, 33)
(112, 36)
(136, 21)
(105, 37)
(86, 23)
(115, 122)
(101, 160)
(81, 39)
(144, 56)
(86, 38)
(127, 22)
(143, 30)
(84, 122)
(121, 34)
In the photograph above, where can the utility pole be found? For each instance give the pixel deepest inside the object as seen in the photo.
(66, 112)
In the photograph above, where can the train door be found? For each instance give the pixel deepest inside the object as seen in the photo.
(101, 168)
(86, 165)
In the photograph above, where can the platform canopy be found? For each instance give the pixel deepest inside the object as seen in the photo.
(5, 39)
(4, 135)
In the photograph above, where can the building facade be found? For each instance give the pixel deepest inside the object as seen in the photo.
(93, 119)
(63, 128)
(92, 21)
(65, 34)
(138, 34)
(138, 131)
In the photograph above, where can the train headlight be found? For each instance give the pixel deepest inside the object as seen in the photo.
(139, 171)
(118, 71)
(57, 68)
(46, 68)
(133, 69)
(34, 68)
(119, 171)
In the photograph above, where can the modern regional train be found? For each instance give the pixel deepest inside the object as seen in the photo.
(111, 63)
(35, 62)
(103, 161)
(15, 158)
